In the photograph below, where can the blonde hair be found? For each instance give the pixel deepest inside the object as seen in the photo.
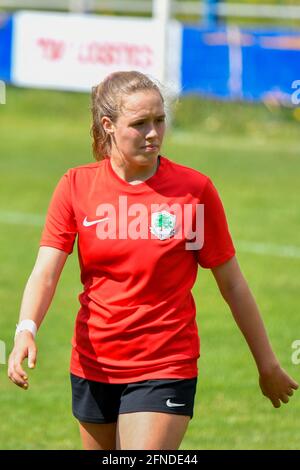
(107, 101)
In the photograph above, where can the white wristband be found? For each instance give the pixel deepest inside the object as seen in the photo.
(29, 325)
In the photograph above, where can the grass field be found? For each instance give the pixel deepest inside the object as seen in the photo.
(252, 155)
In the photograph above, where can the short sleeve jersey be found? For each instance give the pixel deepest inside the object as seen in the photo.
(137, 316)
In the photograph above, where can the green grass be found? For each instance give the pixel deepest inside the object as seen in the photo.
(252, 154)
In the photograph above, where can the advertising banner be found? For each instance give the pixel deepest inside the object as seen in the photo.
(75, 52)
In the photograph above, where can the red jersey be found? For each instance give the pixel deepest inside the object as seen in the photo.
(137, 319)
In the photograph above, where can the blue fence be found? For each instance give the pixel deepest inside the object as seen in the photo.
(240, 64)
(6, 24)
(271, 64)
(204, 65)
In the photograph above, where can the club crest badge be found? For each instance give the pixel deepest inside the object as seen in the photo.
(163, 224)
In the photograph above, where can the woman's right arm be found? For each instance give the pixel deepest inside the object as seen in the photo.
(36, 300)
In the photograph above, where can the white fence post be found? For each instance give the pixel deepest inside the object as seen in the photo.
(2, 92)
(2, 353)
(161, 10)
(234, 39)
(77, 6)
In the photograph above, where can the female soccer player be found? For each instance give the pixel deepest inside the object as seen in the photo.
(141, 236)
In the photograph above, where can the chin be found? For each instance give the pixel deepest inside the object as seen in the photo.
(146, 158)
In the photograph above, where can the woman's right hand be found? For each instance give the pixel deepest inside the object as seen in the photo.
(36, 300)
(24, 347)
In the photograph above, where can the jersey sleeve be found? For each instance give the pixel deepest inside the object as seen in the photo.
(60, 227)
(218, 246)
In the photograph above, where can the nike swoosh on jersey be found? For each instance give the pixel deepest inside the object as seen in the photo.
(86, 223)
(170, 404)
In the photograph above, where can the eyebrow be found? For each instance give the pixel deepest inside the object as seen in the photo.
(142, 118)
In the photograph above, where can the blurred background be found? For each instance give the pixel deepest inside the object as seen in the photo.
(233, 72)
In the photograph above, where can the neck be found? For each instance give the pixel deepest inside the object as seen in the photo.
(134, 174)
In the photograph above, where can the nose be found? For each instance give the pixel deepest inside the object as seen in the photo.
(151, 132)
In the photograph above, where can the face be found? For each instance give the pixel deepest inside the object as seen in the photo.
(138, 133)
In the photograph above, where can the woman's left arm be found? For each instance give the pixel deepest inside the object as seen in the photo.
(274, 382)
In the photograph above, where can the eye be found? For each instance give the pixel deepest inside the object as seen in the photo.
(139, 123)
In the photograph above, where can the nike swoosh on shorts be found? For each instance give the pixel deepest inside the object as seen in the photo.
(170, 404)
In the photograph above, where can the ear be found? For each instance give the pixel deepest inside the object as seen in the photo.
(107, 125)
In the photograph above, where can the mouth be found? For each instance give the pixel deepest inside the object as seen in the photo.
(151, 147)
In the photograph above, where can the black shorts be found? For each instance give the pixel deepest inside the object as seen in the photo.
(98, 402)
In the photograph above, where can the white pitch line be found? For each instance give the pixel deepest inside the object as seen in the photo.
(281, 251)
(21, 218)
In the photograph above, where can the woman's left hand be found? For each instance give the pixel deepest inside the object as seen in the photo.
(277, 385)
